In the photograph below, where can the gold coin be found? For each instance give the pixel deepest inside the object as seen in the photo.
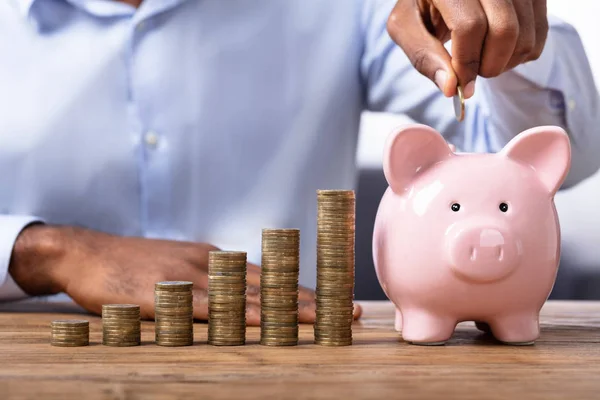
(276, 342)
(174, 286)
(70, 323)
(179, 296)
(70, 330)
(68, 344)
(120, 307)
(174, 335)
(70, 338)
(116, 328)
(459, 104)
(120, 344)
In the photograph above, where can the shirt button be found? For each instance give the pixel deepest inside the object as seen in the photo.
(151, 139)
(572, 104)
(140, 26)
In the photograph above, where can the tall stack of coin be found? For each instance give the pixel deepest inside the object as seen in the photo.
(121, 325)
(279, 287)
(174, 313)
(335, 267)
(227, 298)
(70, 333)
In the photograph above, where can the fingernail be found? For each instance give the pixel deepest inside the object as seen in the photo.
(469, 89)
(440, 79)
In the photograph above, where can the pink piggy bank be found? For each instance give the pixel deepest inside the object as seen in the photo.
(469, 237)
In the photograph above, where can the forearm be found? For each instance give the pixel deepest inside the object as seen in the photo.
(35, 260)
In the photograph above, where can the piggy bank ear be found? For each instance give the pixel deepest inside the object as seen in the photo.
(409, 151)
(545, 149)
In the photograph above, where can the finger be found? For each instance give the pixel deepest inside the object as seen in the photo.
(306, 294)
(357, 311)
(253, 274)
(253, 294)
(540, 14)
(452, 147)
(526, 39)
(200, 302)
(252, 315)
(501, 38)
(468, 26)
(307, 312)
(425, 52)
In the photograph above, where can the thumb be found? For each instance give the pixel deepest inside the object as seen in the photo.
(425, 52)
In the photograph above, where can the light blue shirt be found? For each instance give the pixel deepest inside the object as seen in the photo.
(208, 120)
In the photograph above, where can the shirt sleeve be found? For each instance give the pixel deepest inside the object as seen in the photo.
(10, 227)
(556, 89)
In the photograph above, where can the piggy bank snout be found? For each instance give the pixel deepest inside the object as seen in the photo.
(483, 253)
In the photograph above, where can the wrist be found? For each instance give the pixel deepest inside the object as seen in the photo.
(35, 260)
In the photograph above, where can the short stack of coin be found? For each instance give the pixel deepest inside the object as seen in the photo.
(335, 267)
(279, 287)
(174, 317)
(70, 333)
(121, 325)
(227, 298)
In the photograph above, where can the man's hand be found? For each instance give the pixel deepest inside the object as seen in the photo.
(488, 37)
(94, 268)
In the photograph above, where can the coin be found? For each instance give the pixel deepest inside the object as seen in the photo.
(174, 286)
(69, 333)
(280, 267)
(70, 323)
(335, 267)
(227, 297)
(173, 313)
(459, 104)
(69, 344)
(77, 329)
(121, 325)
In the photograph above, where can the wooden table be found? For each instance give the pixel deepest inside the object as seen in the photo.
(563, 364)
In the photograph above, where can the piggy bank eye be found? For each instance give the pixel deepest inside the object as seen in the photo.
(503, 207)
(455, 207)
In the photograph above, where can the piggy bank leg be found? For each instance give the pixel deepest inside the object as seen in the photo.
(398, 322)
(423, 328)
(520, 329)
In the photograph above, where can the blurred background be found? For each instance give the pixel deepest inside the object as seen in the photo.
(578, 207)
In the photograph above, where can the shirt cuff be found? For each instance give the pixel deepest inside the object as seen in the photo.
(10, 228)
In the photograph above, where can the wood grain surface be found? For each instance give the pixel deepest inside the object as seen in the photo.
(563, 364)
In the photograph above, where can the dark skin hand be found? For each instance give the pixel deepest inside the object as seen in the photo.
(488, 37)
(95, 268)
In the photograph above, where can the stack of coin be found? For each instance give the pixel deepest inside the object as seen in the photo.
(335, 267)
(121, 325)
(227, 298)
(279, 287)
(173, 310)
(70, 333)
